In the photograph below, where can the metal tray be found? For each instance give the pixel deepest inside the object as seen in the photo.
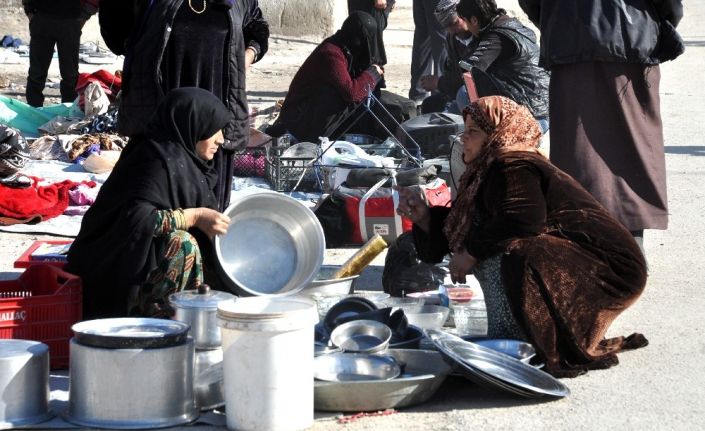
(488, 367)
(424, 372)
(130, 333)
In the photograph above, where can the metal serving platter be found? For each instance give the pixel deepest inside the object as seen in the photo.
(486, 366)
(424, 372)
(130, 333)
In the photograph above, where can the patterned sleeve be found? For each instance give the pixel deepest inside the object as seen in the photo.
(169, 221)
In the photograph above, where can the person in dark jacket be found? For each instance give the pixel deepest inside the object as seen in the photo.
(178, 43)
(55, 23)
(555, 267)
(428, 50)
(444, 88)
(331, 82)
(606, 128)
(505, 59)
(144, 236)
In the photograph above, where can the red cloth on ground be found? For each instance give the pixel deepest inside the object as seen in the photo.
(36, 201)
(110, 83)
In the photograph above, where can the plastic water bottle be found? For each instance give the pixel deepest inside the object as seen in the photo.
(284, 141)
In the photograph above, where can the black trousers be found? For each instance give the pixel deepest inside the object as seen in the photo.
(428, 52)
(45, 33)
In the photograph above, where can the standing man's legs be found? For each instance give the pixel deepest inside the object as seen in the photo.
(428, 50)
(41, 50)
(67, 44)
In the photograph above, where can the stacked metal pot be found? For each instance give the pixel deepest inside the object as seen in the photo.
(130, 373)
(198, 308)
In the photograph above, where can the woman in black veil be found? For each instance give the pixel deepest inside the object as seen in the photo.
(143, 237)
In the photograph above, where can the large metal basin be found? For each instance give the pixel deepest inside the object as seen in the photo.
(274, 245)
(424, 372)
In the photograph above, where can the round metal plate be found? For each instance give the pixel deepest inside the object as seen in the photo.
(498, 370)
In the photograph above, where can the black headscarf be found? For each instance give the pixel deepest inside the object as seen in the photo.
(115, 249)
(358, 37)
(380, 16)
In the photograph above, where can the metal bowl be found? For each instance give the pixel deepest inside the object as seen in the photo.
(520, 350)
(350, 367)
(274, 244)
(377, 297)
(325, 284)
(362, 336)
(412, 339)
(426, 316)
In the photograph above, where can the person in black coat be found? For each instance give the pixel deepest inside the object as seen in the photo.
(177, 43)
(606, 126)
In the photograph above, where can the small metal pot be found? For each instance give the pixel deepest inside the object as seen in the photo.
(24, 383)
(198, 308)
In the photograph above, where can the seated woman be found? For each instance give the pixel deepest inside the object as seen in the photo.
(336, 77)
(135, 246)
(555, 267)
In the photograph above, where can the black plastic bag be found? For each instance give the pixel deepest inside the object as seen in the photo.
(334, 220)
(404, 273)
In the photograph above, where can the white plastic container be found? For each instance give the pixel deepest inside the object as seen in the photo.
(268, 362)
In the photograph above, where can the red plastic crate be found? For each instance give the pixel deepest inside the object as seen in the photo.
(25, 260)
(42, 305)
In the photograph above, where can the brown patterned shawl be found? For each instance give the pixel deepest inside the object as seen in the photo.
(510, 127)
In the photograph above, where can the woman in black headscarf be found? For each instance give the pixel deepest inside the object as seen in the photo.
(337, 75)
(379, 10)
(134, 248)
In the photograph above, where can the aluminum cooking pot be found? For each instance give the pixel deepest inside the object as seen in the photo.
(131, 388)
(24, 383)
(198, 308)
(274, 245)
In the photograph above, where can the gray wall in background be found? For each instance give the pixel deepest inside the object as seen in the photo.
(286, 17)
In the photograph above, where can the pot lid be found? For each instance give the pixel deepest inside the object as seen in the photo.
(203, 297)
(130, 333)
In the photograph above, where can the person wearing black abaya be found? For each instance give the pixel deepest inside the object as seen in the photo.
(379, 10)
(336, 77)
(170, 44)
(136, 244)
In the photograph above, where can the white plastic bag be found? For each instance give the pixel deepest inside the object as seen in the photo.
(95, 100)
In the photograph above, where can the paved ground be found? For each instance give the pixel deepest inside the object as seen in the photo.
(659, 387)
